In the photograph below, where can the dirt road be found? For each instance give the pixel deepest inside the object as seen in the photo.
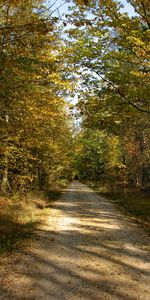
(87, 250)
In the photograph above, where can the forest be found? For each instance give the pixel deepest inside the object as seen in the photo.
(75, 89)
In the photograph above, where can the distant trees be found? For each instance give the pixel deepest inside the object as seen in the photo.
(90, 156)
(121, 158)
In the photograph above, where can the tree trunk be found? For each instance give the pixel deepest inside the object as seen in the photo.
(5, 183)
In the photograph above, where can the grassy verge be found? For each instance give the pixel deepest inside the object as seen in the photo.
(135, 203)
(20, 216)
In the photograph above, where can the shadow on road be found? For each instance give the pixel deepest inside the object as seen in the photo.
(93, 252)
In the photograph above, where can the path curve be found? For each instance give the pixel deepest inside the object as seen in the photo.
(87, 250)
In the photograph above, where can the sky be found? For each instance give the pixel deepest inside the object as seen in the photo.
(127, 8)
(64, 8)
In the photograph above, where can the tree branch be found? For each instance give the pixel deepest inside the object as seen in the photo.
(124, 96)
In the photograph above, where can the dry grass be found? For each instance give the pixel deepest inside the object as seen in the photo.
(20, 216)
(135, 203)
(17, 220)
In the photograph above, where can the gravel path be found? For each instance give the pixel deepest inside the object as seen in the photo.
(87, 250)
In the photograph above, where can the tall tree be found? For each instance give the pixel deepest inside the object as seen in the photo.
(33, 85)
(112, 55)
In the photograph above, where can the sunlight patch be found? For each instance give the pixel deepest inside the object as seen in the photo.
(65, 223)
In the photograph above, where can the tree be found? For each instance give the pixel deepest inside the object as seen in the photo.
(90, 158)
(112, 56)
(34, 120)
(112, 48)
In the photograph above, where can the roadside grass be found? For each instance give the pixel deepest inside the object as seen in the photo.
(16, 222)
(133, 202)
(20, 216)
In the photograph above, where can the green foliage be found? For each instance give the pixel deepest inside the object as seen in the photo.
(90, 156)
(35, 123)
(107, 55)
(112, 56)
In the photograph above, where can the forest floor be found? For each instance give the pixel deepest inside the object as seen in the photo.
(131, 201)
(85, 249)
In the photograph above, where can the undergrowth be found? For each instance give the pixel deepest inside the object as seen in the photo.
(20, 216)
(134, 202)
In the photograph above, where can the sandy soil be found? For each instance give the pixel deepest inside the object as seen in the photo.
(86, 250)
